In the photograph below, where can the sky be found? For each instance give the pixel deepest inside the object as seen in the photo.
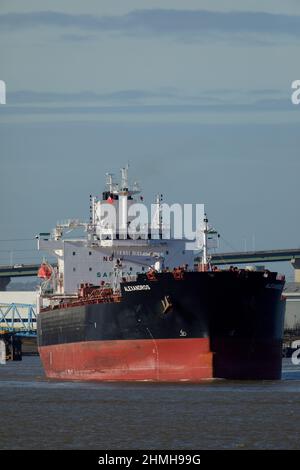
(196, 95)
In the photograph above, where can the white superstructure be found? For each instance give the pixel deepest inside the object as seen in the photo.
(113, 242)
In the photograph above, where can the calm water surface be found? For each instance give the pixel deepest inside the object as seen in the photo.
(39, 414)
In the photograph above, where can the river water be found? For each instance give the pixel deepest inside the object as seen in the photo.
(36, 413)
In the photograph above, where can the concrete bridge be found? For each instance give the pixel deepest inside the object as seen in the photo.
(18, 270)
(265, 256)
(234, 258)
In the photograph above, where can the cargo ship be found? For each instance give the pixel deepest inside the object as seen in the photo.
(142, 307)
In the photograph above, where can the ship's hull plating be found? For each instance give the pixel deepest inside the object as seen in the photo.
(207, 325)
(167, 360)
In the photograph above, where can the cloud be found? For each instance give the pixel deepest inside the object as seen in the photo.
(75, 37)
(276, 105)
(264, 91)
(182, 24)
(36, 97)
(166, 95)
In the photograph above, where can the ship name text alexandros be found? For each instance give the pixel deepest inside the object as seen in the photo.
(138, 287)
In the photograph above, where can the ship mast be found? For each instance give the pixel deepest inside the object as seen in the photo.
(205, 232)
(204, 265)
(109, 182)
(210, 236)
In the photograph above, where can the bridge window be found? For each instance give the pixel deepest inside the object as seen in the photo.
(90, 253)
(90, 269)
(74, 253)
(74, 269)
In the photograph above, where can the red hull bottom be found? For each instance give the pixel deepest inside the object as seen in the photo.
(164, 360)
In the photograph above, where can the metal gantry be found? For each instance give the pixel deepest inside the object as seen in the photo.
(18, 318)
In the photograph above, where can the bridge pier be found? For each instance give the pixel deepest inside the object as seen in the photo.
(4, 281)
(296, 265)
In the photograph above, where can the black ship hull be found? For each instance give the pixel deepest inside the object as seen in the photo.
(204, 325)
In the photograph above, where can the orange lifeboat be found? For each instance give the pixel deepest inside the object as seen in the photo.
(45, 271)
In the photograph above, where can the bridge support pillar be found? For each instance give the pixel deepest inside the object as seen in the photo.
(296, 265)
(4, 281)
